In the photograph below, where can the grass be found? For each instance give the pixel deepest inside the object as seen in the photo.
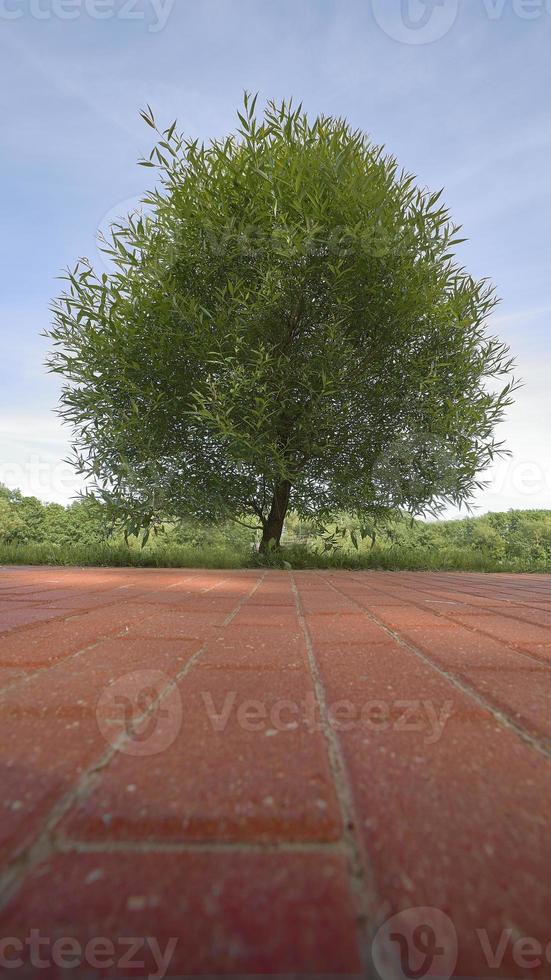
(298, 556)
(120, 555)
(402, 558)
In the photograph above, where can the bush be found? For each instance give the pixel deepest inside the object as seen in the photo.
(82, 534)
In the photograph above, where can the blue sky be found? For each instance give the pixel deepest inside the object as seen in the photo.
(457, 89)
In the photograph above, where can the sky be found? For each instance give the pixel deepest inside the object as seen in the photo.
(458, 90)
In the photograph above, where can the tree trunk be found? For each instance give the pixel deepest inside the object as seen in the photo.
(273, 526)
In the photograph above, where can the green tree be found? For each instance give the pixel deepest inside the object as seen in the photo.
(31, 515)
(56, 526)
(11, 524)
(284, 323)
(86, 522)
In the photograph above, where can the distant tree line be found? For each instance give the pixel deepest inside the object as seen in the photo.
(87, 522)
(521, 537)
(26, 520)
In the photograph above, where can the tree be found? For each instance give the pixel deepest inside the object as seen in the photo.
(11, 524)
(284, 324)
(22, 519)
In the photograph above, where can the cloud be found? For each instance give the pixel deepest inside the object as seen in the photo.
(468, 111)
(33, 449)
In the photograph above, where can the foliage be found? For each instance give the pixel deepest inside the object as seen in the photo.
(26, 520)
(285, 325)
(36, 533)
(513, 541)
(86, 527)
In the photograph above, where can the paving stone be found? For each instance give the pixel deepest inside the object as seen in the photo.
(398, 617)
(511, 680)
(261, 639)
(230, 649)
(176, 624)
(248, 763)
(56, 724)
(214, 813)
(504, 628)
(229, 913)
(25, 616)
(43, 756)
(457, 822)
(348, 627)
(11, 675)
(45, 644)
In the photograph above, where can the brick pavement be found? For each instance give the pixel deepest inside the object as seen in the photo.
(292, 774)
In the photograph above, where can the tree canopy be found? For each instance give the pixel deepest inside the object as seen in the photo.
(285, 323)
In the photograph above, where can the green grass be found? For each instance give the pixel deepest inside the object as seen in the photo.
(121, 555)
(401, 558)
(299, 556)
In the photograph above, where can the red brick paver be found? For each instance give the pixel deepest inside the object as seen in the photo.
(303, 774)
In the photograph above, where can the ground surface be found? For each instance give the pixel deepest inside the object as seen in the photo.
(250, 773)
